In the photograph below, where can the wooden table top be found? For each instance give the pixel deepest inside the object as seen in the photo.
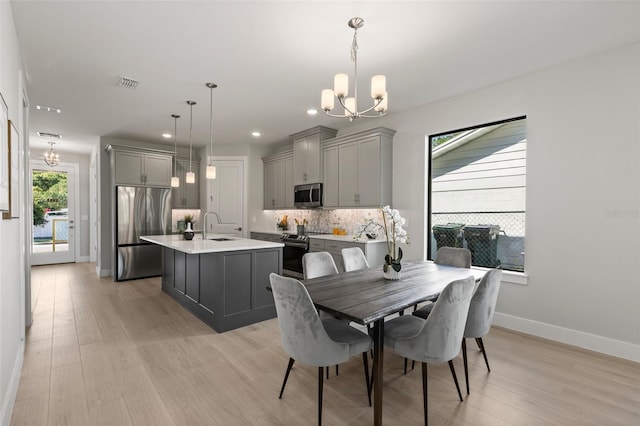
(365, 296)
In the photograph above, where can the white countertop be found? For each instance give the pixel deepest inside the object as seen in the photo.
(347, 239)
(198, 245)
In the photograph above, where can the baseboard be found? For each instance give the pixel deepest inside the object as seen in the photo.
(103, 272)
(82, 259)
(605, 345)
(12, 390)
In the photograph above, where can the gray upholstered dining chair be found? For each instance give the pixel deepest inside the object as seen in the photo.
(318, 264)
(354, 259)
(436, 339)
(449, 256)
(481, 310)
(313, 341)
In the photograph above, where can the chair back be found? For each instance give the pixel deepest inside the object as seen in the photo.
(318, 264)
(440, 337)
(304, 338)
(483, 305)
(453, 256)
(354, 259)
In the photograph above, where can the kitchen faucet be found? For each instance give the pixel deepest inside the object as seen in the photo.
(204, 224)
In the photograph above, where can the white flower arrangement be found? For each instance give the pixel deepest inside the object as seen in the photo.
(392, 227)
(392, 223)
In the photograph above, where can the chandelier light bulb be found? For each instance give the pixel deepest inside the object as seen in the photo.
(378, 86)
(191, 177)
(328, 102)
(341, 85)
(175, 182)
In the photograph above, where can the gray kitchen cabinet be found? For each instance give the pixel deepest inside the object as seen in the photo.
(187, 195)
(358, 169)
(374, 250)
(140, 168)
(278, 181)
(307, 155)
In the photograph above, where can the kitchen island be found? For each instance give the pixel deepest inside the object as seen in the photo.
(222, 280)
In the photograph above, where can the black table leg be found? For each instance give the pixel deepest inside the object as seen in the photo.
(378, 346)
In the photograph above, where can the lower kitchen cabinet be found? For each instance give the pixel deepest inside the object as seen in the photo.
(374, 250)
(227, 289)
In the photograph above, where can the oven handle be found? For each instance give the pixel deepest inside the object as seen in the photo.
(299, 245)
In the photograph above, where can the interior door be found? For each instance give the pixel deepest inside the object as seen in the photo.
(226, 196)
(53, 213)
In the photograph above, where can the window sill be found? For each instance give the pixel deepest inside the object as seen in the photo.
(511, 277)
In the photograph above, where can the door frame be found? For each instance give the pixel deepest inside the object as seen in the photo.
(245, 189)
(76, 196)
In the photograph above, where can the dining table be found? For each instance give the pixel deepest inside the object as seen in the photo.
(366, 297)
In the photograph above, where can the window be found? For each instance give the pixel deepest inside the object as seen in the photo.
(477, 192)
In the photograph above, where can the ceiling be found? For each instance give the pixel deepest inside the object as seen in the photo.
(271, 59)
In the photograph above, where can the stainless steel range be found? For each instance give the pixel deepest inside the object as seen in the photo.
(295, 246)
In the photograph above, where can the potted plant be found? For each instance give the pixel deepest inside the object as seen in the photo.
(392, 224)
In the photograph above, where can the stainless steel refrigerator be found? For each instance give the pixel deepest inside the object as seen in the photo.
(139, 212)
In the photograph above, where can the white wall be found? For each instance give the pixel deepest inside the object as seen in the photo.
(11, 233)
(583, 194)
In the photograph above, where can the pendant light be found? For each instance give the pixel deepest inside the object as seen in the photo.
(211, 169)
(51, 157)
(175, 180)
(191, 177)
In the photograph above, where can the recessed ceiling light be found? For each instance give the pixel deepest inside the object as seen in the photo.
(166, 135)
(312, 111)
(48, 109)
(256, 134)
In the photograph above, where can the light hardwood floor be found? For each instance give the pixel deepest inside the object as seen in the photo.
(126, 354)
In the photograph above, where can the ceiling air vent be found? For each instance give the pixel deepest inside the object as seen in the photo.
(128, 83)
(49, 135)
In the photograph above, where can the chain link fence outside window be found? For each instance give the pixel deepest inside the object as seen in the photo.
(494, 238)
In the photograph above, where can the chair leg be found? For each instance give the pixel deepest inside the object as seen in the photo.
(337, 374)
(286, 376)
(365, 361)
(481, 346)
(455, 379)
(327, 373)
(464, 358)
(413, 365)
(405, 365)
(424, 393)
(320, 383)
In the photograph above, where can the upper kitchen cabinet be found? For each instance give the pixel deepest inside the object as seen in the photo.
(187, 195)
(278, 180)
(138, 167)
(358, 169)
(306, 154)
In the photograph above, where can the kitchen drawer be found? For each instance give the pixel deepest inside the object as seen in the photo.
(316, 245)
(337, 246)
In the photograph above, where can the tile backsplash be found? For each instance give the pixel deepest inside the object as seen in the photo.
(324, 220)
(178, 214)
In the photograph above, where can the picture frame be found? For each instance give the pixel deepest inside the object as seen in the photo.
(4, 156)
(14, 172)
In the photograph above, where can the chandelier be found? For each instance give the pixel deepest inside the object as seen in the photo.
(341, 87)
(51, 157)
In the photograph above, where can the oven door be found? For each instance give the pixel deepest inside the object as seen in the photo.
(292, 259)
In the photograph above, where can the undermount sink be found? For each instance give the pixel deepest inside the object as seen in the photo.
(221, 239)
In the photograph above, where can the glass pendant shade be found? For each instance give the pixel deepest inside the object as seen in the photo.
(175, 182)
(191, 177)
(211, 172)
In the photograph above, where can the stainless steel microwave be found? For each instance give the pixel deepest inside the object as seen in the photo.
(308, 195)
